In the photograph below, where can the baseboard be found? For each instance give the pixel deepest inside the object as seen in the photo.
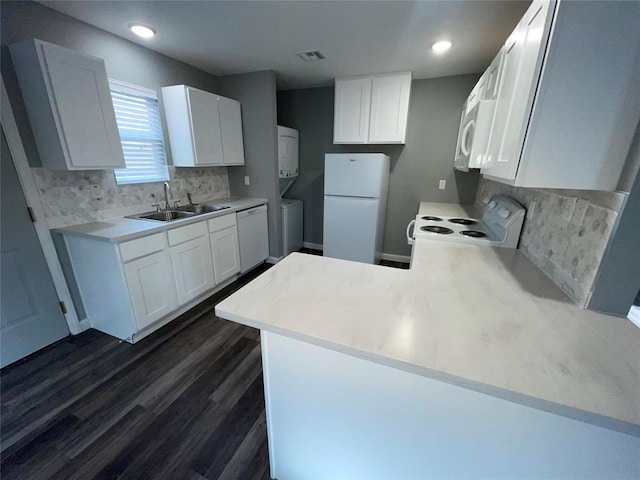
(84, 324)
(634, 315)
(392, 257)
(313, 246)
(273, 260)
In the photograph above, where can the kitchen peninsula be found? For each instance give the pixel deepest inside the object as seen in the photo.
(470, 364)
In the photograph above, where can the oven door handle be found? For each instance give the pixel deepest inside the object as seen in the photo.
(409, 233)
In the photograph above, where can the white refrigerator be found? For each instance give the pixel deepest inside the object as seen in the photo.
(355, 205)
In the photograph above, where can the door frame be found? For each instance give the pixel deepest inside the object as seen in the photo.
(41, 225)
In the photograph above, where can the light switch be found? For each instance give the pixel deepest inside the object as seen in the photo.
(443, 184)
(246, 180)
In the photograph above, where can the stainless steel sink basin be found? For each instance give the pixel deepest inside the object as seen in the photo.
(200, 208)
(163, 216)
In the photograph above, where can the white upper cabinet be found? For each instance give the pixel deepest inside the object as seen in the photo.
(352, 104)
(231, 131)
(66, 94)
(204, 129)
(567, 103)
(372, 109)
(389, 108)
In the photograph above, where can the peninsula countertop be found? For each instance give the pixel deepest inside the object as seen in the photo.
(478, 317)
(124, 229)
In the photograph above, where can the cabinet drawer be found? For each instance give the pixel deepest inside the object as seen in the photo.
(219, 223)
(184, 234)
(141, 247)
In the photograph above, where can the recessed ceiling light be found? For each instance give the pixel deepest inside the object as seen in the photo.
(142, 30)
(441, 46)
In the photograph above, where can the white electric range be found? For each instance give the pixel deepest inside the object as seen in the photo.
(500, 225)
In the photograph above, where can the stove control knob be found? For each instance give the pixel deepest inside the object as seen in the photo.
(504, 213)
(493, 204)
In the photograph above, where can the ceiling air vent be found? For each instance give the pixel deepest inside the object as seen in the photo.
(312, 56)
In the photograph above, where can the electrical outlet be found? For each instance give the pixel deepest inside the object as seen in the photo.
(531, 210)
(246, 180)
(579, 212)
(96, 192)
(443, 184)
(568, 206)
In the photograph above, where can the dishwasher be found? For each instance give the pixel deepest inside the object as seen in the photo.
(253, 237)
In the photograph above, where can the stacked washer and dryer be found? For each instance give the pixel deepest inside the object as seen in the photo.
(292, 216)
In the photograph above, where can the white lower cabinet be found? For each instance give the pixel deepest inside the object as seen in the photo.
(193, 268)
(129, 289)
(226, 253)
(151, 288)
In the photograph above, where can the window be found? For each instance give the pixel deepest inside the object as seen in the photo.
(140, 130)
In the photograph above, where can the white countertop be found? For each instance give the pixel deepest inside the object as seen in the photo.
(124, 229)
(479, 317)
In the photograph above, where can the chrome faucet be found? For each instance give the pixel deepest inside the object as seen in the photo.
(167, 192)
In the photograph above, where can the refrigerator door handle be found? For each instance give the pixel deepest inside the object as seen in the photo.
(352, 196)
(410, 235)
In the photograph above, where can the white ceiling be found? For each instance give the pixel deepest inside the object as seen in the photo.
(357, 37)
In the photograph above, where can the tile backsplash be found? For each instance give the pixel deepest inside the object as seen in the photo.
(70, 198)
(567, 232)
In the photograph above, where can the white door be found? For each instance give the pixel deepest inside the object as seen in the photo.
(226, 253)
(231, 131)
(31, 316)
(389, 108)
(352, 107)
(521, 70)
(350, 228)
(151, 287)
(205, 127)
(83, 102)
(193, 268)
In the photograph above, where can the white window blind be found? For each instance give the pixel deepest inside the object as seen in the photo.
(138, 119)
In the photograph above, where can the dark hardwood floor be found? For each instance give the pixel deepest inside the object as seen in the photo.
(186, 402)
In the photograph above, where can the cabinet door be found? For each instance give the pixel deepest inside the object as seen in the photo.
(226, 253)
(193, 268)
(85, 115)
(151, 287)
(521, 70)
(352, 106)
(492, 75)
(389, 108)
(231, 130)
(205, 127)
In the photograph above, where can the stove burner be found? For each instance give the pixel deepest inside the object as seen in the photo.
(431, 218)
(473, 233)
(436, 229)
(462, 221)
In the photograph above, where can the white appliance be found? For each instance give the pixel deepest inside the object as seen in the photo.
(355, 205)
(287, 152)
(500, 225)
(476, 120)
(253, 237)
(291, 225)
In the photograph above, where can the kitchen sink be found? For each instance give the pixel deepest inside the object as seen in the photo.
(199, 208)
(163, 216)
(185, 211)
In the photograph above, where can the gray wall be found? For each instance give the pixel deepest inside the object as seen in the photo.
(618, 280)
(416, 167)
(257, 94)
(124, 60)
